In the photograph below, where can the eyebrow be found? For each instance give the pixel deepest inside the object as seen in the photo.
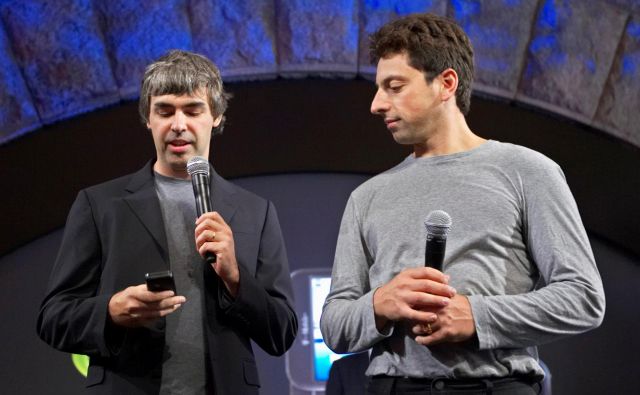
(192, 104)
(391, 78)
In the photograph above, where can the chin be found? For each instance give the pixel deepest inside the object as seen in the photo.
(402, 139)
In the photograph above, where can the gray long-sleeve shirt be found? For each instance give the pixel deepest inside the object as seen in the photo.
(517, 249)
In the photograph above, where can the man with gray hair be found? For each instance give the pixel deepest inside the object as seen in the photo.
(195, 341)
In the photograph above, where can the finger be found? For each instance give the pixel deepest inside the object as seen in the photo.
(141, 293)
(207, 215)
(425, 300)
(214, 247)
(206, 236)
(147, 309)
(147, 296)
(208, 224)
(170, 302)
(163, 304)
(436, 337)
(427, 273)
(213, 216)
(417, 315)
(147, 316)
(424, 328)
(432, 287)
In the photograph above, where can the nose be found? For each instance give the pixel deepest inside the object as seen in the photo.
(179, 122)
(379, 104)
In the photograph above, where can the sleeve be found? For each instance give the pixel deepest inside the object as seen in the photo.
(571, 299)
(263, 305)
(73, 316)
(348, 321)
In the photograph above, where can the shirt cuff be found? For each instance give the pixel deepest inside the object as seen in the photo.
(388, 329)
(481, 318)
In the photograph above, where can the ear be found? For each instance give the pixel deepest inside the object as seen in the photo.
(216, 122)
(449, 79)
(148, 125)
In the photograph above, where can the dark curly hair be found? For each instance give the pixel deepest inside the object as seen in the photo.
(433, 44)
(182, 72)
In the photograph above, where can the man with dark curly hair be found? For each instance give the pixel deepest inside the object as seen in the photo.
(518, 271)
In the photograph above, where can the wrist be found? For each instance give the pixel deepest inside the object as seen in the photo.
(381, 321)
(232, 283)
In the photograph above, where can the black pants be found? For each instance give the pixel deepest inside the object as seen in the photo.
(386, 385)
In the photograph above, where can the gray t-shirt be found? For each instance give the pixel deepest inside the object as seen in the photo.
(517, 249)
(184, 365)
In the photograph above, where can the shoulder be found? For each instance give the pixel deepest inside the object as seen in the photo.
(239, 194)
(109, 187)
(522, 160)
(249, 207)
(118, 187)
(368, 189)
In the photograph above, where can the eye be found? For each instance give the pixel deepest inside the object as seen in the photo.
(395, 88)
(164, 112)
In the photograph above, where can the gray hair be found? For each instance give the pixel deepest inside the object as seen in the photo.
(182, 72)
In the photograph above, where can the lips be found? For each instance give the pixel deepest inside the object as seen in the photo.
(391, 122)
(179, 145)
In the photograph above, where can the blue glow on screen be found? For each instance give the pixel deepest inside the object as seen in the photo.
(323, 357)
(322, 360)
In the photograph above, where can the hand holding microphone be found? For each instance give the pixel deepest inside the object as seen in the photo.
(454, 321)
(198, 169)
(214, 238)
(415, 294)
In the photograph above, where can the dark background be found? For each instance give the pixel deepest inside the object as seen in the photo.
(320, 138)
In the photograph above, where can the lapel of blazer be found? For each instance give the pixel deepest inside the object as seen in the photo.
(222, 199)
(143, 201)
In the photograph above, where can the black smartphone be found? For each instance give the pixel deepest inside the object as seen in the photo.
(160, 281)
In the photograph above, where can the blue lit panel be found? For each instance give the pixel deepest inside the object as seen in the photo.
(570, 56)
(499, 32)
(375, 13)
(59, 49)
(618, 110)
(239, 36)
(576, 58)
(17, 114)
(317, 37)
(138, 32)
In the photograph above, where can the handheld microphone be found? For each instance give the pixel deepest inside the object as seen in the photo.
(438, 224)
(198, 169)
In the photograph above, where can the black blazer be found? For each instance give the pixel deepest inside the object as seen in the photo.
(113, 236)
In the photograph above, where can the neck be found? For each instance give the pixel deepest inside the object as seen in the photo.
(171, 172)
(451, 136)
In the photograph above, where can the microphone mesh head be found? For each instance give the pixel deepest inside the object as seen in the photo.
(198, 164)
(438, 222)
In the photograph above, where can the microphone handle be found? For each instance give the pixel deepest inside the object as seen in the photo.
(200, 182)
(434, 251)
